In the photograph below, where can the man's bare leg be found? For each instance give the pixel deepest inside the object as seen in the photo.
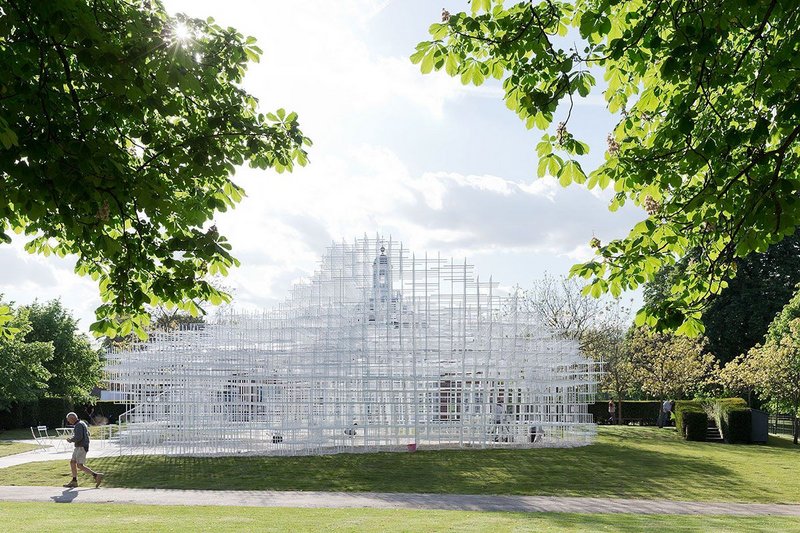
(97, 476)
(74, 483)
(87, 470)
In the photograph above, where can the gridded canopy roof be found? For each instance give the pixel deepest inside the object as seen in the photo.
(379, 350)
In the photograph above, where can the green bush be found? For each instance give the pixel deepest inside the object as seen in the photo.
(691, 420)
(51, 412)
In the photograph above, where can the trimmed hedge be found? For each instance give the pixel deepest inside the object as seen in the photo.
(645, 410)
(734, 419)
(51, 412)
(691, 420)
(48, 412)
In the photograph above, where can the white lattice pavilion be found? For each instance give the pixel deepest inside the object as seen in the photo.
(379, 350)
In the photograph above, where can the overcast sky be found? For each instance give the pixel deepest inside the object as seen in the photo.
(440, 166)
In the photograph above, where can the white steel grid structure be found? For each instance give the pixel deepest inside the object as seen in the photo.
(380, 350)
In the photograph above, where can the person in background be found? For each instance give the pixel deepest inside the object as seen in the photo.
(612, 412)
(664, 416)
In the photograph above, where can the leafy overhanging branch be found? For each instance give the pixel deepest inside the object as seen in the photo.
(120, 129)
(706, 140)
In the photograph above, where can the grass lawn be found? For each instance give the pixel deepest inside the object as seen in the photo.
(45, 517)
(630, 462)
(10, 448)
(15, 434)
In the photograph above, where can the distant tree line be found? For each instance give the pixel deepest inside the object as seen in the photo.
(46, 355)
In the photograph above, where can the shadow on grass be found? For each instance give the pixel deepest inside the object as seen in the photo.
(599, 470)
(624, 463)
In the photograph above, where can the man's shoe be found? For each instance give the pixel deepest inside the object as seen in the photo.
(72, 484)
(98, 478)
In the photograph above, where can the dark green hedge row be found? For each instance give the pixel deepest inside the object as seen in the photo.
(691, 420)
(734, 419)
(51, 412)
(48, 412)
(646, 411)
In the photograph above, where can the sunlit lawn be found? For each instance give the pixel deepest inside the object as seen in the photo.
(11, 448)
(629, 462)
(36, 517)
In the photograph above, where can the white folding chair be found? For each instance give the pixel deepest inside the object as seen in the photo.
(42, 438)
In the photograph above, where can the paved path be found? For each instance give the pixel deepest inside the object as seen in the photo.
(377, 500)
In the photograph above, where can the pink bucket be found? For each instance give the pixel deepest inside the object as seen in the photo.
(412, 447)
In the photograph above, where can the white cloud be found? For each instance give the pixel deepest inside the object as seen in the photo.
(29, 277)
(282, 228)
(321, 60)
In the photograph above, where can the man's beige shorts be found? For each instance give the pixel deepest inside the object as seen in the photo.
(79, 455)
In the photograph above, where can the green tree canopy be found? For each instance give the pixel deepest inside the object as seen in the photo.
(665, 365)
(23, 372)
(120, 128)
(773, 369)
(707, 136)
(737, 319)
(75, 366)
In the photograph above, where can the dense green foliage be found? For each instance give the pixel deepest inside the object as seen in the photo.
(666, 365)
(50, 412)
(120, 128)
(23, 371)
(707, 133)
(737, 425)
(44, 411)
(75, 366)
(46, 356)
(691, 420)
(773, 370)
(781, 324)
(737, 319)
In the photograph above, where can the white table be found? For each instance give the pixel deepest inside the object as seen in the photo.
(61, 435)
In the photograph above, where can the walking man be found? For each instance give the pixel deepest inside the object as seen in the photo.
(80, 437)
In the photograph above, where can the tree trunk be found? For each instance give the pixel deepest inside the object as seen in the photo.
(795, 426)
